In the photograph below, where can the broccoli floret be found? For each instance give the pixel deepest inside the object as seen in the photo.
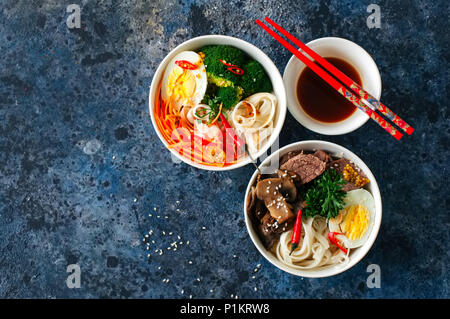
(255, 79)
(229, 96)
(217, 71)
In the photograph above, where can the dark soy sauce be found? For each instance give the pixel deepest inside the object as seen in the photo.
(319, 100)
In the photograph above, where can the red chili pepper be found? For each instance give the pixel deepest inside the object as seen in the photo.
(334, 240)
(233, 68)
(297, 231)
(186, 65)
(230, 132)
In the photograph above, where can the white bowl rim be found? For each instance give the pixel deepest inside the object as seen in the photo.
(292, 105)
(281, 103)
(327, 272)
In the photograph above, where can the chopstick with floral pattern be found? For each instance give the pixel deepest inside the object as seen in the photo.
(372, 102)
(348, 94)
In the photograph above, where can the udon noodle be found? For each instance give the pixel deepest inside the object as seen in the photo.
(314, 250)
(253, 118)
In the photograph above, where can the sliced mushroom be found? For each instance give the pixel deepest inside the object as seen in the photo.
(271, 191)
(288, 189)
(251, 199)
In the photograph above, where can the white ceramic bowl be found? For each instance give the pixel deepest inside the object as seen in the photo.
(356, 254)
(349, 52)
(252, 51)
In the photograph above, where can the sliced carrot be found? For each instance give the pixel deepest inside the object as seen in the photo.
(179, 134)
(217, 116)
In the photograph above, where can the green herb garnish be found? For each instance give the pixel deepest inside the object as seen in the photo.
(325, 197)
(214, 106)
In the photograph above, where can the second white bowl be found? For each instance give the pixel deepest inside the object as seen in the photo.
(357, 254)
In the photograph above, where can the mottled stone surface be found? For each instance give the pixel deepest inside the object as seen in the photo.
(81, 167)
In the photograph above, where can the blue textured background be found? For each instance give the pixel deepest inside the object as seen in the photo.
(81, 167)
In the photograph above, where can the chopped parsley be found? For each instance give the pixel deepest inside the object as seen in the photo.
(325, 197)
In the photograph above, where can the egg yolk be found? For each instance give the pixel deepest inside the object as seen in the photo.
(182, 84)
(355, 222)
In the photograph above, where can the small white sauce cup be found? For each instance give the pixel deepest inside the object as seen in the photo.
(352, 54)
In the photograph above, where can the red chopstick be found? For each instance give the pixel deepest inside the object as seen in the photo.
(372, 101)
(348, 94)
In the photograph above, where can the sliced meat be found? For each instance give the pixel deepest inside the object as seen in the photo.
(306, 166)
(288, 156)
(352, 174)
(323, 156)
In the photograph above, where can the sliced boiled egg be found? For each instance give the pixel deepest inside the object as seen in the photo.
(355, 221)
(184, 86)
